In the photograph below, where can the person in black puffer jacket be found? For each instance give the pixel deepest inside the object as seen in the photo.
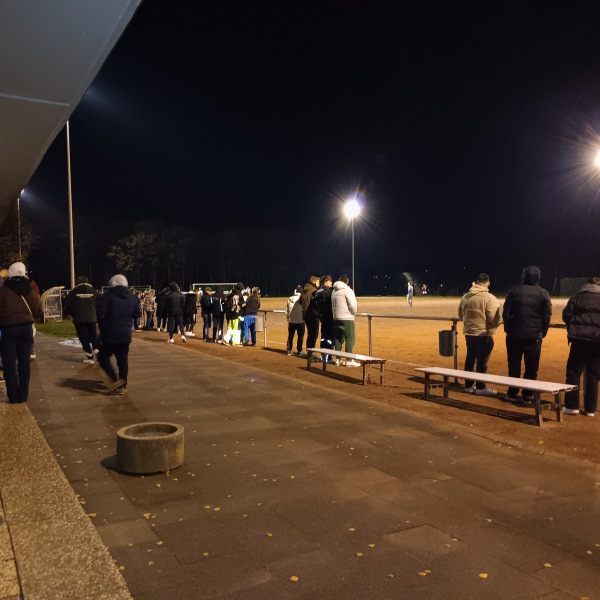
(526, 314)
(582, 317)
(174, 310)
(117, 309)
(81, 304)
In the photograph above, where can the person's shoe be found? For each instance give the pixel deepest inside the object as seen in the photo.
(190, 334)
(159, 330)
(302, 354)
(115, 386)
(470, 390)
(486, 392)
(289, 352)
(32, 356)
(588, 414)
(352, 363)
(513, 397)
(120, 391)
(183, 338)
(170, 341)
(570, 411)
(89, 361)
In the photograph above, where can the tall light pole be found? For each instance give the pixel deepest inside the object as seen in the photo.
(19, 224)
(352, 210)
(71, 243)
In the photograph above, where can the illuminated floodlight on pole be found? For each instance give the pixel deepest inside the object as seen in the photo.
(597, 159)
(352, 209)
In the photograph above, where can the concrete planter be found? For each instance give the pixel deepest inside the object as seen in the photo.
(149, 447)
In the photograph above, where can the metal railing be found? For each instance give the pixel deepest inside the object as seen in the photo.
(370, 316)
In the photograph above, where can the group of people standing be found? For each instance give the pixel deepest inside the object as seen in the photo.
(526, 316)
(328, 305)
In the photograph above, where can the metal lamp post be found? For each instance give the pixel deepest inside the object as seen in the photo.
(352, 210)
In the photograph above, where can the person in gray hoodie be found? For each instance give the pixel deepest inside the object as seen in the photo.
(480, 313)
(582, 317)
(526, 314)
(344, 307)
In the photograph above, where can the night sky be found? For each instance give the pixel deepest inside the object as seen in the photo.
(470, 128)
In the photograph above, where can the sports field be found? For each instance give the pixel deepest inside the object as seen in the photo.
(408, 343)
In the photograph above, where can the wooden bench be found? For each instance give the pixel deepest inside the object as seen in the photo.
(537, 387)
(361, 358)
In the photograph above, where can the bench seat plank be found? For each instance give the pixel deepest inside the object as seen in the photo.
(537, 387)
(361, 358)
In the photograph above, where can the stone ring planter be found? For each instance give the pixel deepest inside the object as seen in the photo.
(149, 447)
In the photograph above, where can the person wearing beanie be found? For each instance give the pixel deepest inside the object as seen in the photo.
(296, 326)
(344, 307)
(582, 317)
(174, 311)
(81, 303)
(116, 313)
(481, 316)
(20, 307)
(526, 314)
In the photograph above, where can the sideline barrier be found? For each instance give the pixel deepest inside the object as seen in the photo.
(371, 316)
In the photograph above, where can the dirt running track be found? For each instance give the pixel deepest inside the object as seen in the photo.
(407, 344)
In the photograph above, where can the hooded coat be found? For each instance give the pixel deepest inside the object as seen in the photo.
(19, 303)
(527, 308)
(479, 311)
(582, 314)
(343, 302)
(81, 303)
(174, 302)
(116, 312)
(308, 292)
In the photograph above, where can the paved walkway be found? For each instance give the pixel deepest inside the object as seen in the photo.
(290, 491)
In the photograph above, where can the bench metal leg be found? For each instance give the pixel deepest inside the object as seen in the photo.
(426, 386)
(308, 359)
(382, 373)
(364, 366)
(446, 386)
(538, 408)
(558, 406)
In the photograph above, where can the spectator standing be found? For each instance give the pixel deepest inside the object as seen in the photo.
(344, 307)
(218, 315)
(117, 310)
(206, 308)
(321, 305)
(149, 306)
(136, 321)
(582, 317)
(190, 311)
(296, 326)
(233, 311)
(250, 312)
(174, 308)
(161, 318)
(409, 293)
(526, 315)
(480, 313)
(20, 307)
(424, 289)
(311, 320)
(82, 302)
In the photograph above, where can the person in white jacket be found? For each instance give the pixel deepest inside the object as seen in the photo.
(293, 311)
(344, 305)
